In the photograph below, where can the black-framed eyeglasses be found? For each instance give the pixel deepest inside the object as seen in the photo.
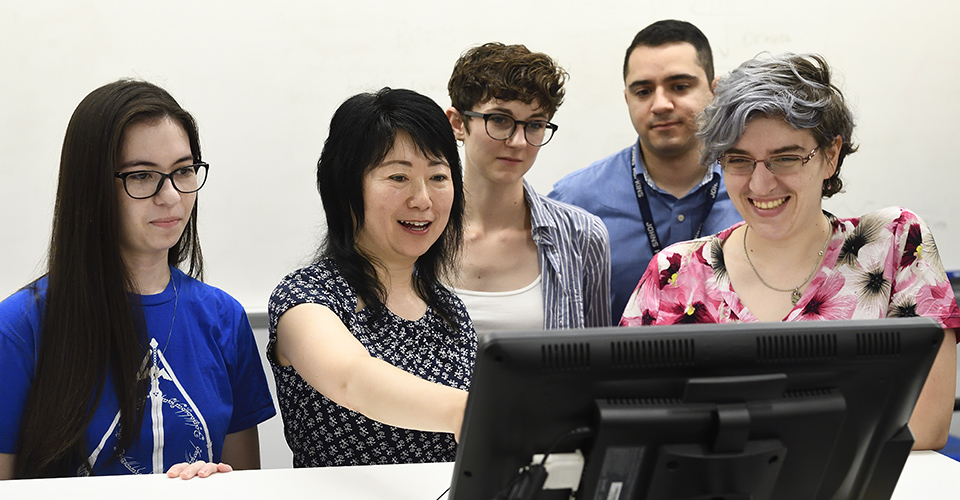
(777, 165)
(142, 184)
(501, 127)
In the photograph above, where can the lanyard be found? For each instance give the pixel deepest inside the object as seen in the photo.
(648, 224)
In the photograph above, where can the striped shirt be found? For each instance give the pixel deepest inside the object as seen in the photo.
(574, 253)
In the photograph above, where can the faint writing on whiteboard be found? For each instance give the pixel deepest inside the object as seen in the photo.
(766, 39)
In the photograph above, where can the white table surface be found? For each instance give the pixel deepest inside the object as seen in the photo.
(927, 476)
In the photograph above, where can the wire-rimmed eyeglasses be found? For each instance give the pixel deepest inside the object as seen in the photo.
(501, 127)
(142, 184)
(777, 165)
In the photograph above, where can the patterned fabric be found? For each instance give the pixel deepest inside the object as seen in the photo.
(605, 189)
(574, 263)
(207, 381)
(322, 433)
(883, 264)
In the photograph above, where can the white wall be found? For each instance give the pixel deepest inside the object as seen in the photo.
(264, 78)
(274, 452)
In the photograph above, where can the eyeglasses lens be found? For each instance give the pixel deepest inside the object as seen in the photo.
(147, 183)
(502, 127)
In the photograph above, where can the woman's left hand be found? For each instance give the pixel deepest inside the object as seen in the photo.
(198, 468)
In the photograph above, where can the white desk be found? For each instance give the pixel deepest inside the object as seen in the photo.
(927, 475)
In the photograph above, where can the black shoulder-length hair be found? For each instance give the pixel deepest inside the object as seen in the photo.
(362, 133)
(90, 327)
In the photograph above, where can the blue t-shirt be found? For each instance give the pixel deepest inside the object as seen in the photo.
(207, 379)
(605, 189)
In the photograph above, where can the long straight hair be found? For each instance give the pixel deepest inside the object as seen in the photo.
(92, 325)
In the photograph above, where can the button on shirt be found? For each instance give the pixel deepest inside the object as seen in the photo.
(605, 189)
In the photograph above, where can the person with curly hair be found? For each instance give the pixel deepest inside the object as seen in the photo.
(528, 262)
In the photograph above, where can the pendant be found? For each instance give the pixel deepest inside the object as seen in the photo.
(795, 296)
(155, 394)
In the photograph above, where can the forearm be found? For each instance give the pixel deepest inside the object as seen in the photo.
(930, 421)
(329, 358)
(390, 395)
(6, 465)
(241, 450)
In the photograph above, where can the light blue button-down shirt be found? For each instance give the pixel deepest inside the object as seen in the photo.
(605, 189)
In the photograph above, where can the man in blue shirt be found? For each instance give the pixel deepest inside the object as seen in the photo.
(655, 192)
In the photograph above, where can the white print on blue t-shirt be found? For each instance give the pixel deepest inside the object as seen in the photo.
(162, 406)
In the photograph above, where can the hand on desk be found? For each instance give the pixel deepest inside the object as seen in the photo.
(198, 468)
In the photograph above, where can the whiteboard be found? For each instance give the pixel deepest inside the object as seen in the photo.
(263, 79)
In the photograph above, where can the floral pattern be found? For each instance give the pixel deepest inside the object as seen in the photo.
(882, 264)
(322, 433)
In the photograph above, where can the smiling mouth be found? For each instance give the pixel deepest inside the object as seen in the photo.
(769, 205)
(416, 226)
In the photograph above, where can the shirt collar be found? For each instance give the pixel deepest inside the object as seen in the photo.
(538, 215)
(642, 167)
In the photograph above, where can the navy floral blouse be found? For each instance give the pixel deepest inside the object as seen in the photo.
(322, 433)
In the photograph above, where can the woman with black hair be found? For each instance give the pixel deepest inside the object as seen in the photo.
(372, 355)
(116, 361)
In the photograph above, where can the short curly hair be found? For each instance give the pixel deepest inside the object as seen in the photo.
(506, 73)
(794, 87)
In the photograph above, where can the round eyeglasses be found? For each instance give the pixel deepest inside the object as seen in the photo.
(777, 165)
(501, 127)
(142, 184)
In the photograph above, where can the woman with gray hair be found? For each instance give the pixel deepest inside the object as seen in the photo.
(790, 260)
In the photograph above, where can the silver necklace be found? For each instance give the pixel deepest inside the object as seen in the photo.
(794, 292)
(155, 392)
(173, 318)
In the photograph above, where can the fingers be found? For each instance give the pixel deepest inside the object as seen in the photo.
(175, 470)
(197, 469)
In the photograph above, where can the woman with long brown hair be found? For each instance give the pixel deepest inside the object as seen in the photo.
(116, 361)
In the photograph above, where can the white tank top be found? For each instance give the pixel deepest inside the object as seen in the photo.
(512, 310)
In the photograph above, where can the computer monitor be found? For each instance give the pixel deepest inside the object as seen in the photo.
(797, 410)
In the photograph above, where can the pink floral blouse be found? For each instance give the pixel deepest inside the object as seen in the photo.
(882, 264)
